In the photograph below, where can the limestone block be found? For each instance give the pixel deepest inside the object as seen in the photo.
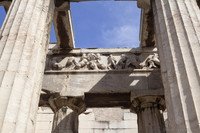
(93, 124)
(44, 117)
(42, 131)
(75, 84)
(44, 110)
(108, 114)
(46, 125)
(123, 124)
(130, 116)
(115, 131)
(85, 130)
(86, 117)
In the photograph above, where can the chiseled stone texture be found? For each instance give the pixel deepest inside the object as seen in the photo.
(62, 76)
(177, 24)
(24, 37)
(44, 120)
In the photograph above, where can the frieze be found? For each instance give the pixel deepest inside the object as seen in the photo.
(97, 61)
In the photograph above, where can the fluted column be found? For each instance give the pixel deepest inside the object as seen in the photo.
(149, 114)
(65, 121)
(177, 26)
(66, 111)
(23, 42)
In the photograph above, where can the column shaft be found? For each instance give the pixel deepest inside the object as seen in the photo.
(177, 24)
(24, 38)
(65, 121)
(150, 120)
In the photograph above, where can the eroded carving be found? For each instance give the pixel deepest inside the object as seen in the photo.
(112, 62)
(125, 62)
(151, 62)
(96, 61)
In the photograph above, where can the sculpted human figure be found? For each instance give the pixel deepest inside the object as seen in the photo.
(70, 61)
(122, 62)
(132, 62)
(151, 62)
(59, 65)
(91, 61)
(98, 61)
(91, 57)
(112, 62)
(82, 63)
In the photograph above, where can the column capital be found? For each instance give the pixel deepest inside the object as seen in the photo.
(56, 102)
(142, 102)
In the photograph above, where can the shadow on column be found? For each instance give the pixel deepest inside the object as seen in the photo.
(65, 121)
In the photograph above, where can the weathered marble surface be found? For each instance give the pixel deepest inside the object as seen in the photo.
(69, 81)
(177, 24)
(24, 37)
(102, 59)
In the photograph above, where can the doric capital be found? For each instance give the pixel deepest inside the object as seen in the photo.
(143, 102)
(56, 102)
(145, 4)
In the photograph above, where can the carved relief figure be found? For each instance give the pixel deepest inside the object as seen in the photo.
(57, 64)
(132, 62)
(91, 61)
(112, 62)
(82, 63)
(99, 64)
(122, 62)
(151, 62)
(127, 62)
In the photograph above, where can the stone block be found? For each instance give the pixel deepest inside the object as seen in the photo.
(42, 131)
(115, 131)
(45, 117)
(130, 116)
(85, 131)
(43, 125)
(93, 124)
(86, 117)
(123, 124)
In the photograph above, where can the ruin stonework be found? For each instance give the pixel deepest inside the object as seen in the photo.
(57, 88)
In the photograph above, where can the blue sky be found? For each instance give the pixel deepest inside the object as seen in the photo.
(103, 24)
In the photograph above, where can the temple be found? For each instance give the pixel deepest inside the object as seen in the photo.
(57, 88)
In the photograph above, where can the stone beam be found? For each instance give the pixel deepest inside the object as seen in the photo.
(78, 71)
(6, 4)
(63, 26)
(147, 35)
(111, 99)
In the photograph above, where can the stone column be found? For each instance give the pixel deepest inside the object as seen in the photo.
(66, 112)
(23, 42)
(149, 112)
(65, 121)
(177, 27)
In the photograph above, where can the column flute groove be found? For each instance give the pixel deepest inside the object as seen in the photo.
(178, 42)
(22, 63)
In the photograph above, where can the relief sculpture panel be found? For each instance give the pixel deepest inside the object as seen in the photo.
(99, 61)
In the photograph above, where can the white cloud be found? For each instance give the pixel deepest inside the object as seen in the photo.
(124, 31)
(123, 36)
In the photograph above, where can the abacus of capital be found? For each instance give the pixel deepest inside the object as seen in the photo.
(68, 80)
